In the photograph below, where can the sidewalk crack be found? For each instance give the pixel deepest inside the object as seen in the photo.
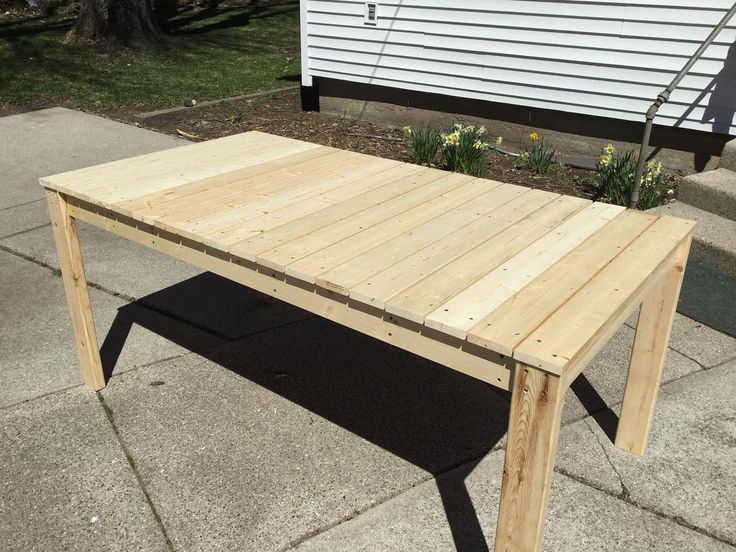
(133, 466)
(625, 494)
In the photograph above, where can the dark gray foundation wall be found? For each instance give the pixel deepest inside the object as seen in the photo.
(570, 134)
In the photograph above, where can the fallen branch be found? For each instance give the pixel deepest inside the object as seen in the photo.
(188, 135)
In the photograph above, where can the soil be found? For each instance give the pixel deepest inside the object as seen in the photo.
(281, 114)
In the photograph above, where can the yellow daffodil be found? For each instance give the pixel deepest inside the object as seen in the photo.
(499, 140)
(534, 136)
(605, 160)
(408, 130)
(609, 150)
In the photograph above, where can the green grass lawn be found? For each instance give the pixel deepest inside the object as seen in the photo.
(209, 54)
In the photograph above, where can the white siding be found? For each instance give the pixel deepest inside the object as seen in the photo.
(607, 58)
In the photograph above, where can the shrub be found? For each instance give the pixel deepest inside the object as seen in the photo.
(464, 150)
(423, 144)
(616, 179)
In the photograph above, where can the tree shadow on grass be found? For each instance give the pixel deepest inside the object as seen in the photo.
(435, 418)
(237, 16)
(37, 67)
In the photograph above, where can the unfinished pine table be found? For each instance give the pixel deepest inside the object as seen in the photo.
(517, 287)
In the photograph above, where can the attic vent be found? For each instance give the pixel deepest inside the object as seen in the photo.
(370, 13)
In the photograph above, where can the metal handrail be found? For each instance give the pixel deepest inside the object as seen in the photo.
(664, 96)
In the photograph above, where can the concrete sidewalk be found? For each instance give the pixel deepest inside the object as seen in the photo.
(234, 424)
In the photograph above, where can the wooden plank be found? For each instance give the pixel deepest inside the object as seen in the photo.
(372, 261)
(508, 324)
(417, 301)
(141, 204)
(589, 314)
(490, 368)
(534, 427)
(462, 311)
(312, 191)
(379, 288)
(111, 183)
(186, 212)
(75, 286)
(649, 353)
(253, 236)
(309, 267)
(434, 185)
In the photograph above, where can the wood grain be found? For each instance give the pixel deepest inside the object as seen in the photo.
(75, 286)
(534, 426)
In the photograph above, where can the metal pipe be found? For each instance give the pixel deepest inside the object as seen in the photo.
(663, 96)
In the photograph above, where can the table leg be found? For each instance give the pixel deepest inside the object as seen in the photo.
(647, 359)
(75, 285)
(534, 425)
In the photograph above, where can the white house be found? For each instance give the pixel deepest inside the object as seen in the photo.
(592, 57)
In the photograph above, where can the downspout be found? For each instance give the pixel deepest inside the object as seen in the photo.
(663, 96)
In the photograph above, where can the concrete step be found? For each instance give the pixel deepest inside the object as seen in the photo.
(728, 157)
(714, 242)
(713, 191)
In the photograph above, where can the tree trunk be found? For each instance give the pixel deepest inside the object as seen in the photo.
(116, 22)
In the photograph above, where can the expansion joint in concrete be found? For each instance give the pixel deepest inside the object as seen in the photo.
(352, 515)
(133, 466)
(37, 397)
(26, 230)
(21, 204)
(679, 520)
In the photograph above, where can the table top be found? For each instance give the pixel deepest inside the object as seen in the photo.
(527, 273)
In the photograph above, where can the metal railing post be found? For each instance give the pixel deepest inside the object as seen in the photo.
(663, 96)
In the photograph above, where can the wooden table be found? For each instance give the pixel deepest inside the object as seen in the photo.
(517, 287)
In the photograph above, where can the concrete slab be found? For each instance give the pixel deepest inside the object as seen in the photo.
(283, 434)
(602, 383)
(24, 217)
(688, 471)
(459, 512)
(38, 354)
(713, 242)
(697, 341)
(701, 343)
(712, 191)
(65, 483)
(113, 262)
(49, 141)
